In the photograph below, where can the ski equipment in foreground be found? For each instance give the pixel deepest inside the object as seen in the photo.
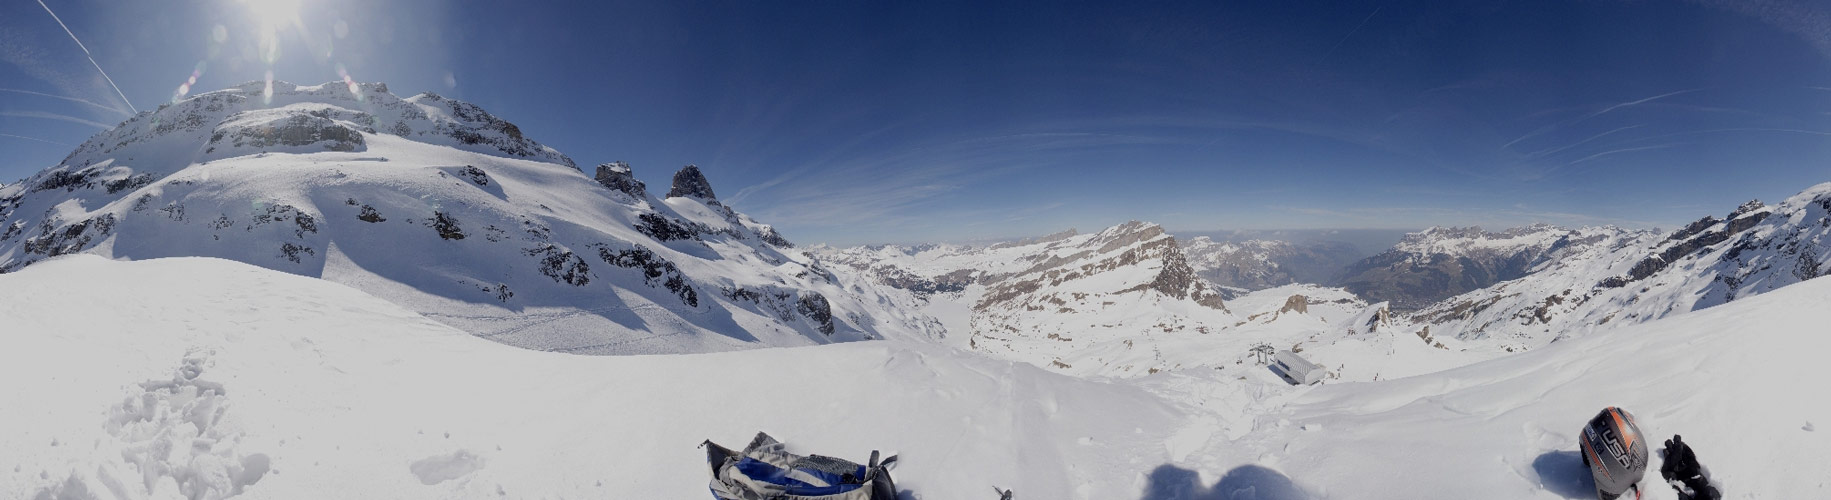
(764, 470)
(1685, 474)
(1615, 452)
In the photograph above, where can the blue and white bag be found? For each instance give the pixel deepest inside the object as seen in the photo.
(765, 471)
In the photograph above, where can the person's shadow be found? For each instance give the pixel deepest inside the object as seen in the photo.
(1563, 473)
(1246, 482)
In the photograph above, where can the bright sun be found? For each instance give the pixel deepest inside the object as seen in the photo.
(273, 15)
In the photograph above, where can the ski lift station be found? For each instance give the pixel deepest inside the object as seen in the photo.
(1295, 369)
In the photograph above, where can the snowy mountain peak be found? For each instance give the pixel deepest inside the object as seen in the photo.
(1640, 276)
(447, 210)
(1751, 206)
(280, 117)
(689, 182)
(1459, 240)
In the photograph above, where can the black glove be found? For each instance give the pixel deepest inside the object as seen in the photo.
(1682, 470)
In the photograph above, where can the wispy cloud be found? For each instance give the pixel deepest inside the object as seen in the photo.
(1622, 150)
(98, 67)
(33, 139)
(1553, 151)
(55, 116)
(1636, 102)
(1610, 108)
(71, 99)
(889, 189)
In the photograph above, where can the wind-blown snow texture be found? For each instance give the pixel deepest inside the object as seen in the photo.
(444, 209)
(201, 377)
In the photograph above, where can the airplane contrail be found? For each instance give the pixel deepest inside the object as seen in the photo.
(33, 139)
(54, 116)
(1618, 151)
(98, 67)
(71, 99)
(1357, 29)
(1637, 102)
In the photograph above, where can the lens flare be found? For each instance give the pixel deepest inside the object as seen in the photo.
(267, 95)
(350, 82)
(185, 88)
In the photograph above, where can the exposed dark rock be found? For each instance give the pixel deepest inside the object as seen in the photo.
(951, 282)
(368, 214)
(53, 241)
(478, 127)
(561, 265)
(128, 183)
(689, 182)
(67, 180)
(618, 177)
(475, 175)
(1705, 232)
(1297, 304)
(291, 252)
(663, 228)
(447, 226)
(304, 222)
(12, 230)
(787, 304)
(814, 306)
(298, 129)
(769, 235)
(656, 271)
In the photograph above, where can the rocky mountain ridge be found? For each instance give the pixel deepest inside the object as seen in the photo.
(1441, 262)
(449, 211)
(1632, 277)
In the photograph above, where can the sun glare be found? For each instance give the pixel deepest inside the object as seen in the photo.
(273, 15)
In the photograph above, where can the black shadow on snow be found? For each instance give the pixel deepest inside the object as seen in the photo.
(1562, 472)
(1169, 482)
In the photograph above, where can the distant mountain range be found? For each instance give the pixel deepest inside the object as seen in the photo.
(1258, 264)
(455, 214)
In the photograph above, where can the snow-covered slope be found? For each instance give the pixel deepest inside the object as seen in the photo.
(1079, 303)
(1755, 249)
(1103, 304)
(1734, 380)
(1438, 263)
(193, 378)
(448, 211)
(203, 376)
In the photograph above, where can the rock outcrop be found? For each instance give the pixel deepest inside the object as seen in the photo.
(617, 176)
(689, 182)
(1297, 303)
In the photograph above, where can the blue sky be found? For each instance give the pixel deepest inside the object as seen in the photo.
(855, 122)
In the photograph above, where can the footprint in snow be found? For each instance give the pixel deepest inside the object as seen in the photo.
(441, 468)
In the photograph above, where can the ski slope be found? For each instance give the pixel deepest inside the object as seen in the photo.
(199, 378)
